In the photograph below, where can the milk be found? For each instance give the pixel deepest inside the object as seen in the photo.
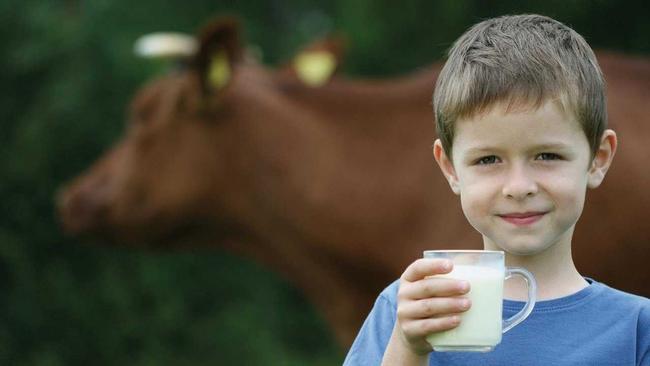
(480, 326)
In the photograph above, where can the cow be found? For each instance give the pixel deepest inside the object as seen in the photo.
(332, 185)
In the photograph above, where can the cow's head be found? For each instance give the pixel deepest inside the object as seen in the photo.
(202, 145)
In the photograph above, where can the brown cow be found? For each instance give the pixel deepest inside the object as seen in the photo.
(333, 186)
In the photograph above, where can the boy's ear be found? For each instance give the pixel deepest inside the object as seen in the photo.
(446, 166)
(602, 159)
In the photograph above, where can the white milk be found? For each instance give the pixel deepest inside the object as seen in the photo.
(480, 326)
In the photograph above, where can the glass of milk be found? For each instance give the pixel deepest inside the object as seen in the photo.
(482, 325)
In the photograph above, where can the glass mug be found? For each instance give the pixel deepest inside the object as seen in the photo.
(481, 326)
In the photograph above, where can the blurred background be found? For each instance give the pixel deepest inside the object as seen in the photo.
(67, 72)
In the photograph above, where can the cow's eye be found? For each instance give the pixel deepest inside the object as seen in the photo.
(138, 117)
(144, 106)
(143, 112)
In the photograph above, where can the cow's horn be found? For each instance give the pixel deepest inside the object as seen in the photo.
(165, 45)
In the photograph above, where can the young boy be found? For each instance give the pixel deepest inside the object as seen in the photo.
(521, 120)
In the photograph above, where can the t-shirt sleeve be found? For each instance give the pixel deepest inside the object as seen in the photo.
(370, 344)
(643, 339)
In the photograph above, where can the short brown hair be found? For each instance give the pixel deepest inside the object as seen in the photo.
(522, 60)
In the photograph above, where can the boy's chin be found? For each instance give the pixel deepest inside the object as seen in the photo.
(527, 252)
(517, 249)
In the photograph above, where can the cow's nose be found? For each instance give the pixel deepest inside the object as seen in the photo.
(80, 208)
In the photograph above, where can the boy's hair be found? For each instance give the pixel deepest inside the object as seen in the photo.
(522, 61)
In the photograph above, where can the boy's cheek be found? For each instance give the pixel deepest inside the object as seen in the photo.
(477, 191)
(473, 210)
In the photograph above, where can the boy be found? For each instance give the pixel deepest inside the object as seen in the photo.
(521, 120)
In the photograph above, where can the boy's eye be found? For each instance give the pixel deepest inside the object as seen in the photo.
(487, 160)
(547, 156)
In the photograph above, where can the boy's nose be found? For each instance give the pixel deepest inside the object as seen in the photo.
(519, 184)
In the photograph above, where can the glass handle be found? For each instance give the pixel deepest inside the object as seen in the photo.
(530, 304)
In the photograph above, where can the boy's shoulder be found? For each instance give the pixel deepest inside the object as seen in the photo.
(617, 304)
(622, 298)
(389, 294)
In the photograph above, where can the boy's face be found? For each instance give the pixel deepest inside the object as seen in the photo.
(522, 176)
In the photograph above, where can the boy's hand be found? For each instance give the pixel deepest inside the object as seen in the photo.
(428, 305)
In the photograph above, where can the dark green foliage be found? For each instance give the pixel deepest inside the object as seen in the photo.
(67, 73)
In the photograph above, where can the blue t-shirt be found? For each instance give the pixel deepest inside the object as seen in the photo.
(597, 325)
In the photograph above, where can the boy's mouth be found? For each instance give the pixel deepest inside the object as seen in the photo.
(522, 218)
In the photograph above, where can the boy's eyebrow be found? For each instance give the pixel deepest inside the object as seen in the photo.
(481, 150)
(543, 146)
(552, 146)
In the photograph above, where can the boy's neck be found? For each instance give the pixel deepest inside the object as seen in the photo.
(555, 273)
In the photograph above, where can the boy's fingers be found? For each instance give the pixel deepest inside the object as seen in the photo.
(433, 287)
(433, 307)
(423, 327)
(424, 267)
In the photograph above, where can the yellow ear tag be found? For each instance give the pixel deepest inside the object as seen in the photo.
(219, 73)
(315, 68)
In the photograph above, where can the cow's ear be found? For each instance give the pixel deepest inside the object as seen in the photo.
(219, 53)
(317, 63)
